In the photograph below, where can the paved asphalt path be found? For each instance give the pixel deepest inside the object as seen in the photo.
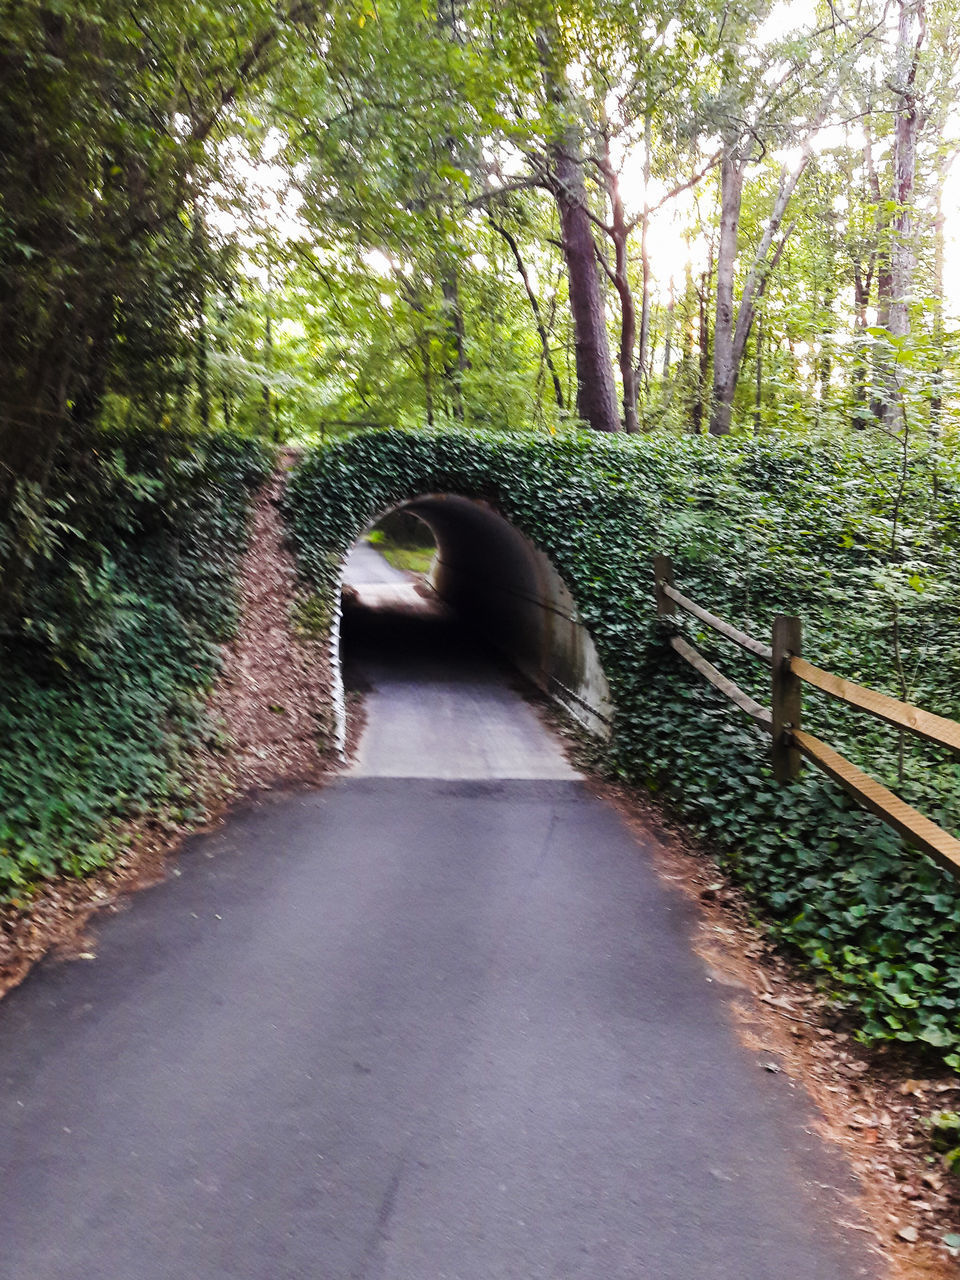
(365, 565)
(405, 1028)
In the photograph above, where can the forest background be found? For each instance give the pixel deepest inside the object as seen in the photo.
(300, 218)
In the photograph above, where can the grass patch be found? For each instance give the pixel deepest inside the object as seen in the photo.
(311, 616)
(411, 559)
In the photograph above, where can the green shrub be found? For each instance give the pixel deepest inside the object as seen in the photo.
(754, 529)
(102, 683)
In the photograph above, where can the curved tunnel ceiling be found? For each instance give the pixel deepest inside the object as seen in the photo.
(505, 587)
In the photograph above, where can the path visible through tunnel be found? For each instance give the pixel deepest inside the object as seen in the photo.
(438, 704)
(410, 1026)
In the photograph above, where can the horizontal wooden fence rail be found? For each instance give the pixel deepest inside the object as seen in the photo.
(923, 723)
(789, 672)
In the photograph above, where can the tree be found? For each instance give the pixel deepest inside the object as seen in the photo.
(753, 117)
(107, 116)
(596, 392)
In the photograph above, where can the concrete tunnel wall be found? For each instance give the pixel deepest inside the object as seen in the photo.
(507, 589)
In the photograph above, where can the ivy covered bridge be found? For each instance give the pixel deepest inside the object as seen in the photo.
(509, 591)
(547, 546)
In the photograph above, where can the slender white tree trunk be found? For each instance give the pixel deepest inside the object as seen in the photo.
(910, 33)
(724, 374)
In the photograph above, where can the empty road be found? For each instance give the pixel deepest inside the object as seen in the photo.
(438, 1020)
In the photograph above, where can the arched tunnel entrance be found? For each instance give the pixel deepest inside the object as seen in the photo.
(494, 587)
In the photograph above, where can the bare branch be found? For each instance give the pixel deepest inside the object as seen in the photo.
(494, 193)
(676, 191)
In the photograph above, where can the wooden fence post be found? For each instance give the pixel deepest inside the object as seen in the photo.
(787, 697)
(663, 572)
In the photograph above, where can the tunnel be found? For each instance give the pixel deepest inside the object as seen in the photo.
(505, 591)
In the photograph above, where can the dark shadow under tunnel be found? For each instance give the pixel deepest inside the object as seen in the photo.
(437, 701)
(501, 593)
(403, 630)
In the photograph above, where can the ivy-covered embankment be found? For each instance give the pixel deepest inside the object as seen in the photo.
(129, 593)
(754, 529)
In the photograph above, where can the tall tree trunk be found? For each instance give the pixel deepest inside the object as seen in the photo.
(883, 392)
(862, 250)
(620, 235)
(911, 30)
(862, 284)
(758, 396)
(645, 273)
(939, 248)
(825, 359)
(734, 339)
(455, 360)
(668, 335)
(687, 316)
(702, 406)
(724, 367)
(596, 389)
(895, 277)
(884, 378)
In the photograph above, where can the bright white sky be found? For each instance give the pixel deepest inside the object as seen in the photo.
(271, 202)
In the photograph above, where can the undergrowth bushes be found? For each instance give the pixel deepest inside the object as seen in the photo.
(129, 592)
(754, 529)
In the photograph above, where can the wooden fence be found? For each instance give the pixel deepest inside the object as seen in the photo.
(782, 719)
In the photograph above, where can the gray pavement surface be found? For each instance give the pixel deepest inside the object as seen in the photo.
(405, 1028)
(447, 710)
(366, 565)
